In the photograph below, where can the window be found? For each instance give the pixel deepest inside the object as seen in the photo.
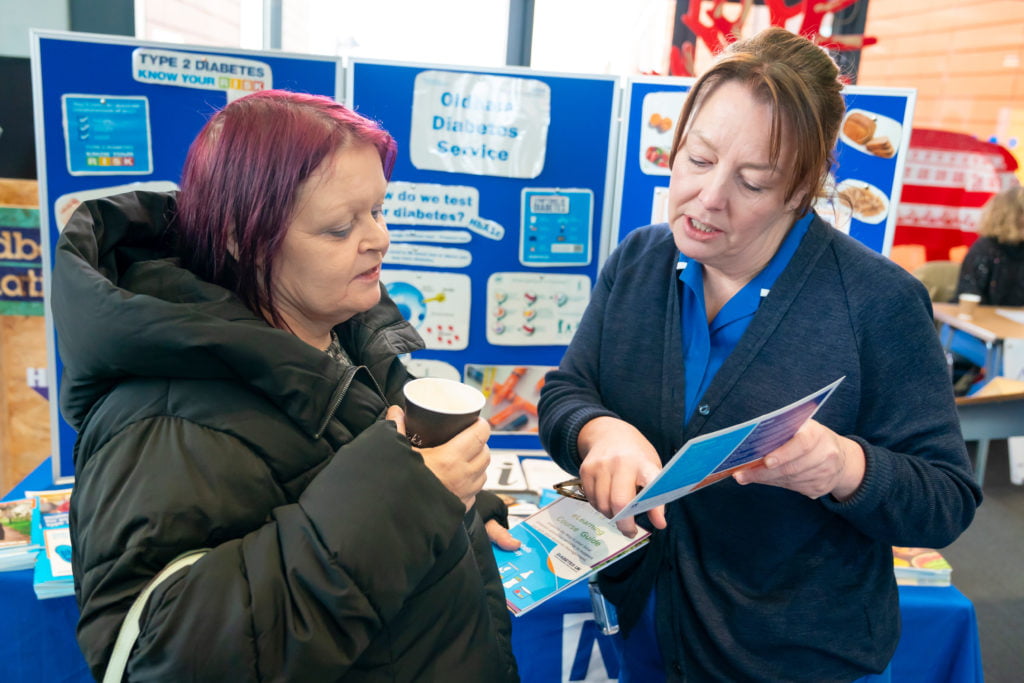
(602, 36)
(460, 32)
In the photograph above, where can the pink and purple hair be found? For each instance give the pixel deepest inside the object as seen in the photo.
(241, 179)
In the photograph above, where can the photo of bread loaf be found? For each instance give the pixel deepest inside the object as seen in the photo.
(859, 127)
(871, 133)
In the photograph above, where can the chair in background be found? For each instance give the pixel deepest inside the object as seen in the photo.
(939, 277)
(910, 256)
(956, 254)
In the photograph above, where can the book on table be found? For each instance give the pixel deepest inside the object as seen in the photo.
(17, 551)
(52, 576)
(507, 479)
(920, 567)
(524, 479)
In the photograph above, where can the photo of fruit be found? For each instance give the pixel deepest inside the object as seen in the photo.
(662, 123)
(657, 127)
(657, 156)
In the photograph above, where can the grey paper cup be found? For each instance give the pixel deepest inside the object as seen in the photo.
(437, 409)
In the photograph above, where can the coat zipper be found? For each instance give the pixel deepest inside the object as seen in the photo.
(339, 396)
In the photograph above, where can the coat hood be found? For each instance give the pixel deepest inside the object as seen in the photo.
(123, 307)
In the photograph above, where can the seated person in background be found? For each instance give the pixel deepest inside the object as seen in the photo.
(744, 302)
(994, 265)
(994, 269)
(230, 356)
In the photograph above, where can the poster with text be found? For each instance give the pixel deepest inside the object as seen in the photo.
(503, 179)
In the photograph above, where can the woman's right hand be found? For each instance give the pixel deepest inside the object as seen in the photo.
(617, 461)
(461, 462)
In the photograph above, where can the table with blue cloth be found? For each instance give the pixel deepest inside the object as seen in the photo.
(558, 641)
(555, 642)
(37, 637)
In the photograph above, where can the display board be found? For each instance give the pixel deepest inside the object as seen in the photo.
(649, 109)
(112, 112)
(498, 209)
(501, 207)
(867, 178)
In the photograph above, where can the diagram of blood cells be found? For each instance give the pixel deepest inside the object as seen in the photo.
(435, 302)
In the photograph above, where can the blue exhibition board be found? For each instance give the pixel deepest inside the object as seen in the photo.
(501, 206)
(643, 151)
(877, 179)
(498, 208)
(872, 180)
(112, 112)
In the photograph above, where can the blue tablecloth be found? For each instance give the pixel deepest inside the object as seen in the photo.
(558, 641)
(554, 643)
(37, 637)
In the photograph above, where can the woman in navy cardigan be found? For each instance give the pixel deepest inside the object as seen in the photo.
(744, 302)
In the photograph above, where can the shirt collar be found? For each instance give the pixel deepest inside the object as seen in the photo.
(749, 298)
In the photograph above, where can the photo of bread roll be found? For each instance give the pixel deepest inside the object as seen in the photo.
(880, 147)
(859, 127)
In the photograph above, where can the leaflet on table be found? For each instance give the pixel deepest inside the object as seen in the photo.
(562, 544)
(524, 480)
(16, 548)
(920, 567)
(1015, 316)
(711, 457)
(52, 576)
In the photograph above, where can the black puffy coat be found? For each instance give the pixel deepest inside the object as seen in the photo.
(335, 553)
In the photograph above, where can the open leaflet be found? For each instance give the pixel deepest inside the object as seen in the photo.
(568, 540)
(712, 457)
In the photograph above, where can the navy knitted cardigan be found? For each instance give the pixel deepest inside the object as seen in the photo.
(758, 582)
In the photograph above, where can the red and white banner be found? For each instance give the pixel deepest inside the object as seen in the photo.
(947, 179)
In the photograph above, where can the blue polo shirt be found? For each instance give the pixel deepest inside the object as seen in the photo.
(706, 346)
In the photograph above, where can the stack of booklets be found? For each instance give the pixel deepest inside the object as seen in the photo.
(52, 577)
(524, 479)
(920, 567)
(17, 551)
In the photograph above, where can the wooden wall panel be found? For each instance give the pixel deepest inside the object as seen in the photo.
(964, 57)
(989, 63)
(24, 411)
(14, 192)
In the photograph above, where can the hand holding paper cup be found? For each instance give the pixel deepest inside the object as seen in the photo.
(437, 409)
(968, 302)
